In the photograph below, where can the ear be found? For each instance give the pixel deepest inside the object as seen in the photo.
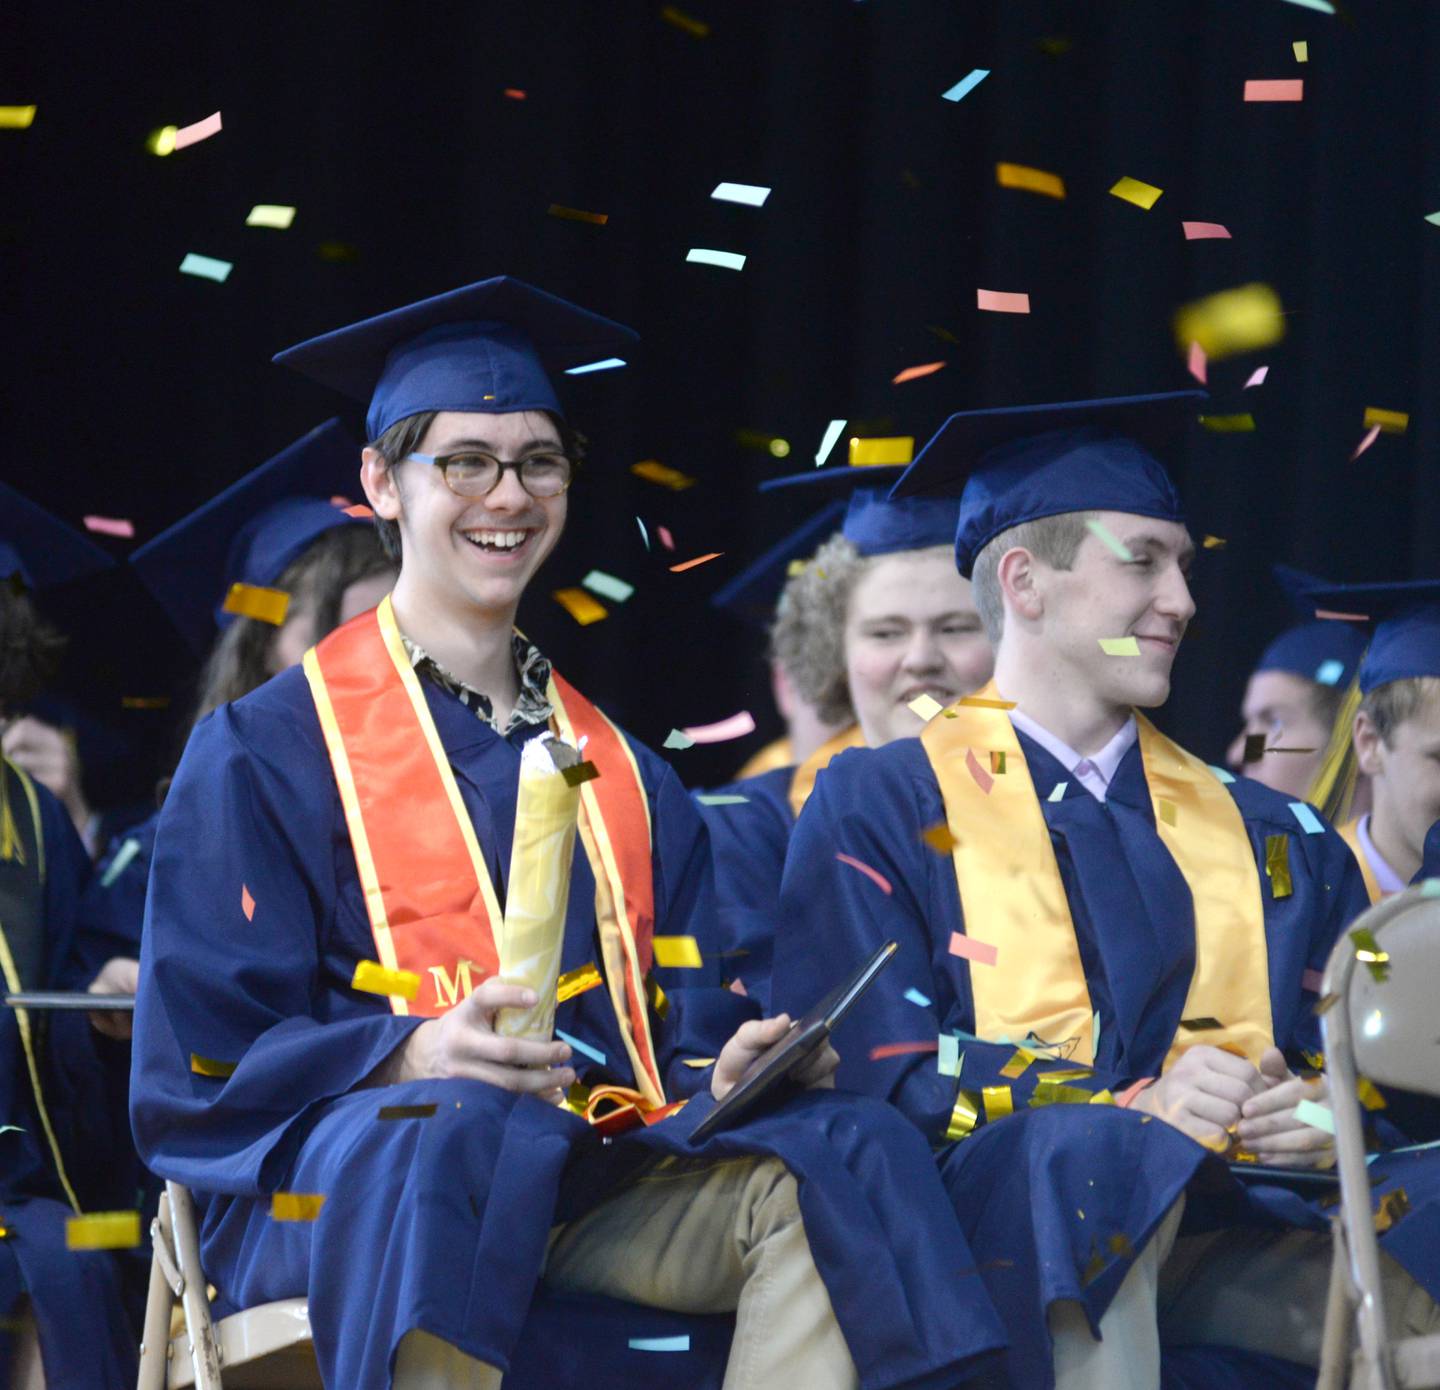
(782, 690)
(1369, 746)
(382, 490)
(1017, 576)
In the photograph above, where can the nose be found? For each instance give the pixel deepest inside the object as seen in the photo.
(1173, 601)
(507, 495)
(922, 652)
(1235, 753)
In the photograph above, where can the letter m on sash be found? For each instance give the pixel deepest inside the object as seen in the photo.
(448, 989)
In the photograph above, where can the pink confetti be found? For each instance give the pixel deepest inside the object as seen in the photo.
(201, 130)
(1371, 435)
(359, 511)
(1312, 980)
(878, 879)
(1284, 89)
(1257, 378)
(737, 726)
(1002, 302)
(911, 373)
(666, 539)
(967, 948)
(901, 1049)
(247, 903)
(111, 526)
(982, 778)
(737, 986)
(514, 93)
(1205, 231)
(1196, 363)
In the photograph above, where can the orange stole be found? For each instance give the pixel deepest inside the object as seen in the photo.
(427, 888)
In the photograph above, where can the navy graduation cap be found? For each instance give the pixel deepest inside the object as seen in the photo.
(1404, 626)
(1021, 463)
(753, 593)
(1325, 652)
(489, 347)
(874, 523)
(40, 548)
(251, 532)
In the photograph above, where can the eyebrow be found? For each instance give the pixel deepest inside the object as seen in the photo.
(1184, 555)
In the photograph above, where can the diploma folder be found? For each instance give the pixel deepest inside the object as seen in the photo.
(781, 1060)
(68, 999)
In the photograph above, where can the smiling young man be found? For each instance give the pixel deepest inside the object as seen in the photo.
(1112, 942)
(364, 809)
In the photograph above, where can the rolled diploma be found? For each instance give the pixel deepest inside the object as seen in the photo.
(533, 932)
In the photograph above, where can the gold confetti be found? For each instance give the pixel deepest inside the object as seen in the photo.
(965, 1115)
(939, 838)
(1168, 811)
(1143, 195)
(997, 761)
(1229, 424)
(1277, 865)
(1369, 1094)
(373, 978)
(1031, 180)
(1393, 1205)
(208, 1066)
(1213, 543)
(978, 702)
(295, 1206)
(681, 951)
(653, 471)
(1301, 48)
(255, 601)
(276, 215)
(657, 997)
(1238, 320)
(1120, 1245)
(161, 140)
(580, 773)
(573, 982)
(103, 1230)
(696, 28)
(1389, 421)
(867, 453)
(999, 1102)
(598, 219)
(1018, 1063)
(1201, 1025)
(1369, 954)
(17, 117)
(580, 606)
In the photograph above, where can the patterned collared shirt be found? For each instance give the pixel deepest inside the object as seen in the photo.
(533, 667)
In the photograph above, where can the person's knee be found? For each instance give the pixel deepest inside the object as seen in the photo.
(772, 1200)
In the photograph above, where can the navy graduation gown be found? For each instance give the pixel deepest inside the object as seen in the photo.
(748, 841)
(75, 1296)
(442, 1222)
(1021, 1184)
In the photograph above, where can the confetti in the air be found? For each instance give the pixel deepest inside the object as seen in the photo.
(653, 471)
(256, 601)
(103, 1230)
(606, 364)
(370, 977)
(680, 952)
(608, 586)
(903, 1049)
(966, 85)
(1143, 195)
(921, 1001)
(1238, 320)
(1195, 363)
(247, 903)
(968, 948)
(726, 260)
(875, 877)
(515, 93)
(698, 560)
(1120, 646)
(597, 219)
(296, 1206)
(580, 606)
(750, 195)
(1256, 378)
(1302, 51)
(276, 215)
(925, 706)
(666, 539)
(111, 526)
(676, 739)
(1229, 424)
(120, 862)
(206, 267)
(874, 452)
(833, 431)
(723, 730)
(696, 28)
(201, 130)
(1282, 89)
(1389, 421)
(17, 117)
(1031, 180)
(1371, 435)
(912, 373)
(1002, 301)
(1213, 543)
(1323, 6)
(1205, 231)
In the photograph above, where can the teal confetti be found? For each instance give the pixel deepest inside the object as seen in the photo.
(606, 365)
(1323, 6)
(206, 267)
(594, 1054)
(644, 534)
(1329, 672)
(1310, 823)
(1221, 773)
(122, 858)
(950, 1055)
(916, 998)
(607, 586)
(676, 739)
(709, 800)
(1057, 793)
(681, 1343)
(966, 85)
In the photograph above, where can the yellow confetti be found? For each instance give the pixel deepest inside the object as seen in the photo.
(939, 838)
(1301, 48)
(1120, 646)
(1238, 320)
(103, 1230)
(254, 601)
(1229, 424)
(699, 1062)
(978, 702)
(1369, 1094)
(296, 1206)
(1168, 811)
(925, 707)
(658, 1000)
(373, 978)
(1213, 543)
(16, 117)
(868, 453)
(1031, 180)
(999, 1102)
(276, 215)
(965, 1115)
(1389, 421)
(696, 28)
(1143, 195)
(580, 606)
(573, 982)
(1277, 865)
(208, 1066)
(680, 951)
(653, 471)
(161, 140)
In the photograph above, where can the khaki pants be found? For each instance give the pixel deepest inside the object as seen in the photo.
(690, 1237)
(1257, 1290)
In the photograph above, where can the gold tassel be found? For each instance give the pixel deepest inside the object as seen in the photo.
(11, 846)
(1334, 786)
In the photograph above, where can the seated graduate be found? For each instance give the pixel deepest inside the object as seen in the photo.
(1294, 697)
(751, 597)
(364, 809)
(271, 564)
(62, 1316)
(1086, 913)
(875, 621)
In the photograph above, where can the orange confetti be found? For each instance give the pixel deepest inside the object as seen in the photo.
(1002, 302)
(911, 373)
(514, 93)
(598, 219)
(902, 1049)
(1283, 89)
(247, 903)
(696, 28)
(698, 560)
(967, 948)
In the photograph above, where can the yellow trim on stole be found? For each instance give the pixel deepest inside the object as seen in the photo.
(1350, 833)
(1013, 898)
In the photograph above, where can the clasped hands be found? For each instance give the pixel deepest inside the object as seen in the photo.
(1219, 1099)
(464, 1043)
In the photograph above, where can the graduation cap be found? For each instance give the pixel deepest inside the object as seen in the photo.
(489, 347)
(251, 532)
(1404, 626)
(1020, 463)
(1325, 652)
(875, 524)
(40, 548)
(753, 593)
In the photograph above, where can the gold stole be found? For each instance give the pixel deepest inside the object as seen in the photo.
(803, 782)
(776, 753)
(1350, 833)
(1013, 898)
(427, 888)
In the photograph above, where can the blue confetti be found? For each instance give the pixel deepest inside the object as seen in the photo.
(603, 366)
(1221, 773)
(593, 1053)
(915, 997)
(660, 1343)
(207, 267)
(966, 85)
(950, 1055)
(1310, 823)
(1329, 672)
(123, 856)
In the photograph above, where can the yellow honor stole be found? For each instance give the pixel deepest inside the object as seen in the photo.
(432, 906)
(1013, 898)
(803, 782)
(1350, 833)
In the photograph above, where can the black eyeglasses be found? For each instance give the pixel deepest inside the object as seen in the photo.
(470, 473)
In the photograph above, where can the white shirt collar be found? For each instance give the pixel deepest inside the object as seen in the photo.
(1094, 773)
(1386, 879)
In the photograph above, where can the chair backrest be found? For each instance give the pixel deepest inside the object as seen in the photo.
(1393, 1002)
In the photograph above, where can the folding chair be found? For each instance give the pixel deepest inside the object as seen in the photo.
(1383, 1029)
(263, 1348)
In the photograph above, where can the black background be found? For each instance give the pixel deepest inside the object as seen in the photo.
(131, 390)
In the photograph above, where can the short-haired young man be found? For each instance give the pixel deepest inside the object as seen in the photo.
(363, 808)
(1112, 941)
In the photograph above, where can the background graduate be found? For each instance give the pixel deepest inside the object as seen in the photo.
(1086, 914)
(361, 809)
